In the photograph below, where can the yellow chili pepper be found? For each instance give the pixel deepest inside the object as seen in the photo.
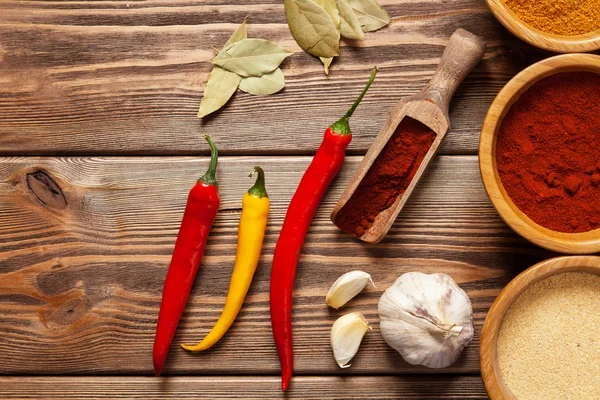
(251, 232)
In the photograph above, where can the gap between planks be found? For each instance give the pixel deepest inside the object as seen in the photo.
(310, 387)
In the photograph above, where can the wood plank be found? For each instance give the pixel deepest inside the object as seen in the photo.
(80, 284)
(117, 77)
(306, 387)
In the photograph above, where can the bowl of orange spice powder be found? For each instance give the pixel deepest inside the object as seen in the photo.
(539, 153)
(564, 26)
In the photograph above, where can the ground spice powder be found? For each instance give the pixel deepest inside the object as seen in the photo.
(548, 152)
(549, 341)
(559, 17)
(388, 177)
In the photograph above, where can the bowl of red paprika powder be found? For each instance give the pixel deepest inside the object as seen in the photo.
(539, 153)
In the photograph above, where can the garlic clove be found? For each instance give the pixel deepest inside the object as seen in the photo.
(346, 335)
(428, 319)
(346, 287)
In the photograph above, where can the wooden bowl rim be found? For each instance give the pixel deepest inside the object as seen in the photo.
(586, 42)
(570, 243)
(493, 322)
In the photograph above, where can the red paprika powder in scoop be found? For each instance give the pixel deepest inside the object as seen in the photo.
(548, 152)
(388, 178)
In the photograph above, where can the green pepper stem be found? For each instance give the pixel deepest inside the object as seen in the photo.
(210, 177)
(341, 126)
(258, 189)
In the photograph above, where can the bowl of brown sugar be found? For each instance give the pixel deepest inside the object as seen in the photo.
(564, 26)
(541, 337)
(539, 153)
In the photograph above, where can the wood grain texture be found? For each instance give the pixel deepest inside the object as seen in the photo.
(571, 243)
(122, 77)
(80, 286)
(309, 387)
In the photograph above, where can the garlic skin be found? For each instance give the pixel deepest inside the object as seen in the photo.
(346, 287)
(428, 319)
(346, 335)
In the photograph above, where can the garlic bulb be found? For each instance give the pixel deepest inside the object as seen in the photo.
(346, 287)
(346, 335)
(428, 319)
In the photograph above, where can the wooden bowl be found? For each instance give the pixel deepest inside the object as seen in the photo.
(490, 371)
(561, 44)
(572, 243)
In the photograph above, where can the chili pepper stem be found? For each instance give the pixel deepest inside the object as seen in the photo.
(210, 177)
(341, 126)
(258, 189)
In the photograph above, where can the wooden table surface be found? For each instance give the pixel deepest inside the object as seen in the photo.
(98, 99)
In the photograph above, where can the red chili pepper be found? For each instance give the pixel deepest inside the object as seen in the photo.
(325, 165)
(198, 217)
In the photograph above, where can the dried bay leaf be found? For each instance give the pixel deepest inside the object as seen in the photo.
(312, 28)
(220, 87)
(269, 83)
(221, 84)
(330, 6)
(240, 33)
(370, 14)
(326, 63)
(251, 57)
(349, 24)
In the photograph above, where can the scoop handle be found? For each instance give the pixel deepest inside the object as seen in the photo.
(463, 52)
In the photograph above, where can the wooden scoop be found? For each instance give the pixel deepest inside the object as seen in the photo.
(430, 107)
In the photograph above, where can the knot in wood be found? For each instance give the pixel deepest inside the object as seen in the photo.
(46, 190)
